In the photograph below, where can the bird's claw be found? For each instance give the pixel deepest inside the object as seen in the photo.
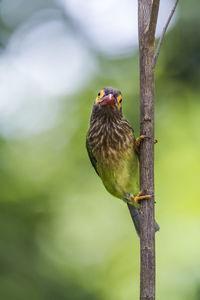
(140, 139)
(136, 199)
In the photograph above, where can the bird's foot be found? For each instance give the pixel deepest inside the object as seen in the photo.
(136, 199)
(140, 139)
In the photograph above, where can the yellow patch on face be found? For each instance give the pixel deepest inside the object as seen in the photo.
(119, 100)
(100, 95)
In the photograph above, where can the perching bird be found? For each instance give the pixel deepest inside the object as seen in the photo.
(113, 151)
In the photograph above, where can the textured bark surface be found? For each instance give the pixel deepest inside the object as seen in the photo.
(147, 234)
(147, 19)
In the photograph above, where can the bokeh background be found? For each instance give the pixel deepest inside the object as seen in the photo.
(62, 236)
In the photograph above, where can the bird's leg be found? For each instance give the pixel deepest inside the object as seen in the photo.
(139, 197)
(139, 140)
(135, 200)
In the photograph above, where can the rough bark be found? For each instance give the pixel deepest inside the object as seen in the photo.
(147, 19)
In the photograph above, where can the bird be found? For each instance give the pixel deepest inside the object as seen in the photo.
(114, 151)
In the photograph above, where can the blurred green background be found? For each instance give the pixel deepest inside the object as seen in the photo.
(62, 236)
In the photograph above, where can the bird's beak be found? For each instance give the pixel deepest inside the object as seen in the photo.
(108, 100)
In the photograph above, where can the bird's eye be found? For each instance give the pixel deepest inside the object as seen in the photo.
(100, 94)
(119, 98)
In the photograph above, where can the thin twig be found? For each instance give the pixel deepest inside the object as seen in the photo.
(147, 17)
(163, 33)
(153, 21)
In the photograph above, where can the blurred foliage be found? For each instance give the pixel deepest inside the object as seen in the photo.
(183, 61)
(62, 236)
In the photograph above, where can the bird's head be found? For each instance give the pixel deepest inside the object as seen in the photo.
(109, 97)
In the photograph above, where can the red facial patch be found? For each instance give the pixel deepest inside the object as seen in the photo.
(108, 100)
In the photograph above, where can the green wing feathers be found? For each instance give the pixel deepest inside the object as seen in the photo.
(91, 155)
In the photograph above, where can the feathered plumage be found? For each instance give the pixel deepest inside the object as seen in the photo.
(111, 147)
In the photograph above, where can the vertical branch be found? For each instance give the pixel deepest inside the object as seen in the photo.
(147, 19)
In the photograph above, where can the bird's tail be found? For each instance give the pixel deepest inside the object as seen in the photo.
(135, 215)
